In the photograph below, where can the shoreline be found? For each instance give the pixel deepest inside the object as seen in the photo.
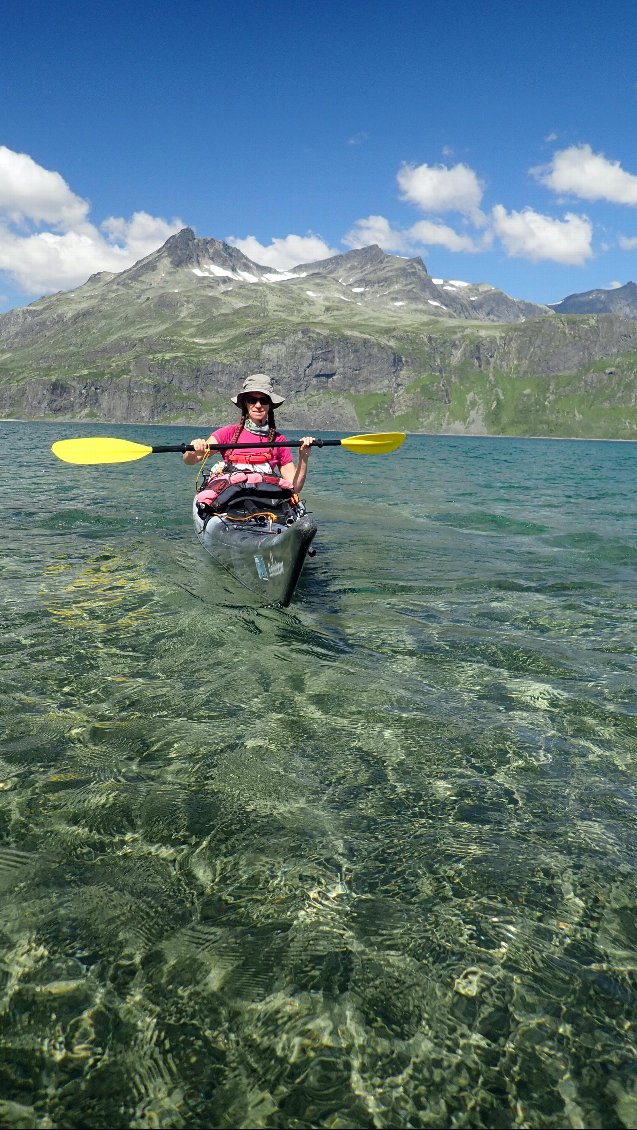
(336, 431)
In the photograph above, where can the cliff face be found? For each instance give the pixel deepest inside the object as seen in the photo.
(364, 339)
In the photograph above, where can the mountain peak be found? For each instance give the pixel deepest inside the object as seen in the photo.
(617, 300)
(179, 246)
(360, 259)
(186, 251)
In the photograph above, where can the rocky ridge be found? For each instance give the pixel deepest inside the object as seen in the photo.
(620, 300)
(364, 339)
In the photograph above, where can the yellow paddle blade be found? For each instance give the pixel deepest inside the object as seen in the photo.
(99, 449)
(378, 444)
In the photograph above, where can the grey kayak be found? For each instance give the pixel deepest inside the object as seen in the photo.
(260, 535)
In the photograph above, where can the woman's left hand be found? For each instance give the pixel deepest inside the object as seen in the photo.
(306, 444)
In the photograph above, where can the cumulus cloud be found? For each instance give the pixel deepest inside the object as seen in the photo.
(47, 241)
(139, 234)
(285, 253)
(530, 235)
(44, 262)
(428, 232)
(376, 229)
(439, 188)
(627, 242)
(578, 171)
(30, 193)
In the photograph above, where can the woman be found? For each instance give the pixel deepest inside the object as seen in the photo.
(257, 402)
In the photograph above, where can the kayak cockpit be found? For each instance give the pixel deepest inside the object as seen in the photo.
(246, 501)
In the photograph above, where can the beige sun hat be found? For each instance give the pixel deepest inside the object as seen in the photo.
(258, 382)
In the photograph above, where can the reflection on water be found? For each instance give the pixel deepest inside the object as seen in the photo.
(369, 861)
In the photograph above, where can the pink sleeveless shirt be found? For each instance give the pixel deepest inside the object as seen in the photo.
(278, 457)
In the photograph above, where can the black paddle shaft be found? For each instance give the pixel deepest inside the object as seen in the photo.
(232, 446)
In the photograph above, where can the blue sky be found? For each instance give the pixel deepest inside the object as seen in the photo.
(496, 140)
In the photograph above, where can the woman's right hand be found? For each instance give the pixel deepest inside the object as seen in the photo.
(200, 446)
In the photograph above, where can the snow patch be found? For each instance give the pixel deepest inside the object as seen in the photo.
(359, 289)
(282, 276)
(212, 270)
(449, 283)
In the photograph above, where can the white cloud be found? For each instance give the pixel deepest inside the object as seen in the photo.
(627, 242)
(71, 247)
(45, 262)
(138, 233)
(282, 254)
(590, 176)
(529, 235)
(438, 188)
(376, 229)
(425, 231)
(29, 192)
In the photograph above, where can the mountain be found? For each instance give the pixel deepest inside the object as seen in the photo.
(379, 280)
(620, 300)
(364, 340)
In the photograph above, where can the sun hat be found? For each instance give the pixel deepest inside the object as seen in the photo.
(258, 382)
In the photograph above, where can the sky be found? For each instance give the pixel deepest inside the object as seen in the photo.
(495, 140)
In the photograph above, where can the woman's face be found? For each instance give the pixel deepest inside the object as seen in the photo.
(257, 406)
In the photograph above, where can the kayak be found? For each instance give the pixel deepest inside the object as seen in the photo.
(259, 534)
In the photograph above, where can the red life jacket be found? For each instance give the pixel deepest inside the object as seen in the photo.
(247, 455)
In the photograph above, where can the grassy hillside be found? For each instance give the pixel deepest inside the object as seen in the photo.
(163, 342)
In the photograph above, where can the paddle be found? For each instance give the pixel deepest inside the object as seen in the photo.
(102, 449)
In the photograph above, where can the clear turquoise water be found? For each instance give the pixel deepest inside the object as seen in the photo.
(366, 862)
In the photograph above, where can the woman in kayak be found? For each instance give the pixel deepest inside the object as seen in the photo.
(257, 401)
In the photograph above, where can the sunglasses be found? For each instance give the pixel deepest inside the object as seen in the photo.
(258, 400)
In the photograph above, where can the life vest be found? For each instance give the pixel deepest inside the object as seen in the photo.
(246, 455)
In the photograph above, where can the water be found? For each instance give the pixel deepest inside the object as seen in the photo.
(366, 862)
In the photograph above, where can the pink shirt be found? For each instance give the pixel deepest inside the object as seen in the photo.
(279, 456)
